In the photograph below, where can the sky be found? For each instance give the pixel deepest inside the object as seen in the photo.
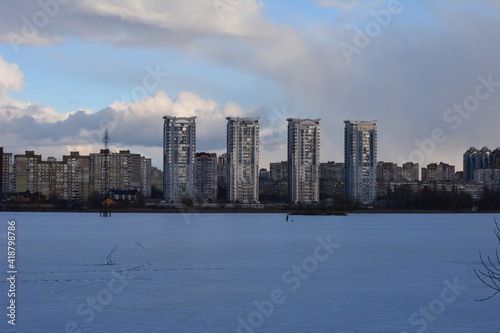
(427, 71)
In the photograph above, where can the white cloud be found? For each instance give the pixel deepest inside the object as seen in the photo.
(426, 59)
(348, 4)
(11, 77)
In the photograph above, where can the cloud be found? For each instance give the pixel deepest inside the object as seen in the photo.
(420, 64)
(11, 77)
(348, 4)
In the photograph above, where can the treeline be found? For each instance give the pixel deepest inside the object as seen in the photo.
(436, 199)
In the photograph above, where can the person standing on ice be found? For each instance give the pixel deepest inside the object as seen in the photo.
(286, 217)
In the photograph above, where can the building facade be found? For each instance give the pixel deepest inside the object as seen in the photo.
(474, 159)
(490, 178)
(278, 170)
(26, 170)
(409, 172)
(243, 160)
(331, 180)
(78, 175)
(360, 153)
(303, 160)
(179, 149)
(206, 177)
(125, 171)
(8, 176)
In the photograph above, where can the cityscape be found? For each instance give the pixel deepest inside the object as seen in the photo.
(204, 179)
(249, 166)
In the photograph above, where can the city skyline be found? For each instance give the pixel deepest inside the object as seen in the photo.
(434, 91)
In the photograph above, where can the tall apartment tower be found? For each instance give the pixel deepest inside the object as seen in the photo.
(78, 175)
(8, 176)
(360, 153)
(243, 159)
(179, 149)
(1, 170)
(475, 159)
(26, 169)
(206, 177)
(303, 160)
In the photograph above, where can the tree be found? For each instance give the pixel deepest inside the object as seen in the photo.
(489, 274)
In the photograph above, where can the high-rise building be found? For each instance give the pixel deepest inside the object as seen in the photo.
(125, 171)
(206, 177)
(156, 182)
(410, 171)
(387, 171)
(53, 179)
(476, 159)
(303, 160)
(26, 172)
(495, 159)
(179, 149)
(490, 178)
(8, 176)
(1, 170)
(278, 170)
(331, 180)
(243, 159)
(430, 173)
(360, 153)
(78, 175)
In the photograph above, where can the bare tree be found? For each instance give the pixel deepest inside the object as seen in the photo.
(489, 274)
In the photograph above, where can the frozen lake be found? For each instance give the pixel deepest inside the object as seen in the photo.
(248, 273)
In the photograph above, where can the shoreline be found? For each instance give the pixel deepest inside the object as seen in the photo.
(303, 212)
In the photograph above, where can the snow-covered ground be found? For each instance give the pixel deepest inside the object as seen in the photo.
(248, 273)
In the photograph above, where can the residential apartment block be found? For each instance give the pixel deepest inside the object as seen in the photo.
(360, 154)
(243, 159)
(205, 177)
(303, 160)
(179, 149)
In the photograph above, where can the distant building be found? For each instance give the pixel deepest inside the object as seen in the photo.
(438, 172)
(53, 179)
(157, 179)
(243, 159)
(278, 170)
(303, 160)
(331, 180)
(388, 171)
(430, 173)
(264, 174)
(8, 176)
(490, 178)
(78, 174)
(474, 159)
(126, 171)
(179, 149)
(410, 171)
(495, 159)
(206, 177)
(26, 170)
(1, 170)
(360, 152)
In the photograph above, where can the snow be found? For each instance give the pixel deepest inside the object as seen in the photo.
(212, 272)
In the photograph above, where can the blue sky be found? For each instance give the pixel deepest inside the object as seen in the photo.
(85, 67)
